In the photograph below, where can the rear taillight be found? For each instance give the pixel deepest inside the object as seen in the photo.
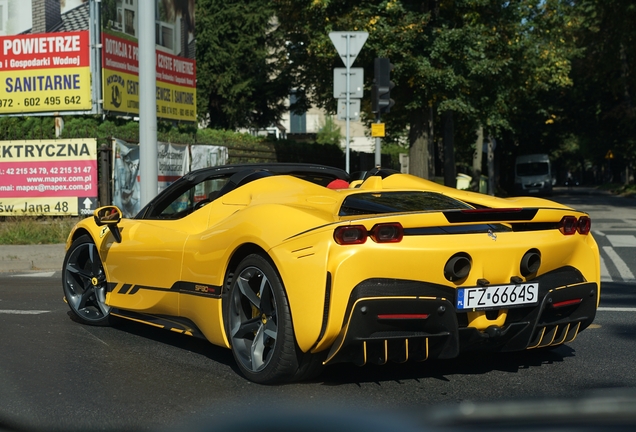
(387, 233)
(585, 223)
(570, 225)
(380, 233)
(348, 235)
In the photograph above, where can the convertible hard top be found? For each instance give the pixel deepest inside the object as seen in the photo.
(240, 174)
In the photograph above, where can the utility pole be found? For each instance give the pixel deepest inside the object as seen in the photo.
(147, 103)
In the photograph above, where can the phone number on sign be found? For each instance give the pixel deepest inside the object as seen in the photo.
(37, 101)
(53, 170)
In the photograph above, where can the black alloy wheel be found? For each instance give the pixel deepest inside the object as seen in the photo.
(84, 283)
(259, 323)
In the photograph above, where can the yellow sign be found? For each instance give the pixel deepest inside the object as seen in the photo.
(176, 81)
(609, 155)
(377, 130)
(53, 206)
(121, 94)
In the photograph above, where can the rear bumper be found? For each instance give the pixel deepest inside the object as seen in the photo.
(400, 320)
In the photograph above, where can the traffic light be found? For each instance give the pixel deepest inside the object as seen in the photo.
(381, 101)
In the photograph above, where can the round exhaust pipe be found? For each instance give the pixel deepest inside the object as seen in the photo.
(530, 262)
(457, 267)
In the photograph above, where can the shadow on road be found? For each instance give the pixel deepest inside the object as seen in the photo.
(193, 344)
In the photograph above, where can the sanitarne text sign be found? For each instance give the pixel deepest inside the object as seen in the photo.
(45, 72)
(57, 177)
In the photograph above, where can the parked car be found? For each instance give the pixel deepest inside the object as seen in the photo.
(533, 175)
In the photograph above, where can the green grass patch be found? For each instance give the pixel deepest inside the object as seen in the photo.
(609, 187)
(626, 190)
(619, 189)
(40, 230)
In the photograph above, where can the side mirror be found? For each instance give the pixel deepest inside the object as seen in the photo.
(109, 216)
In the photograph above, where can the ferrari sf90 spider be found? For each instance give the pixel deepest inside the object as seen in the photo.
(295, 266)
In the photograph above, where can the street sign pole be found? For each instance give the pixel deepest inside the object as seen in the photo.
(347, 160)
(378, 145)
(348, 45)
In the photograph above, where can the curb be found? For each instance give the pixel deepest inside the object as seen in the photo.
(14, 258)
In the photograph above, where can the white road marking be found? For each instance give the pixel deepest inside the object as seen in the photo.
(622, 268)
(605, 275)
(39, 274)
(599, 233)
(622, 240)
(23, 312)
(613, 309)
(93, 336)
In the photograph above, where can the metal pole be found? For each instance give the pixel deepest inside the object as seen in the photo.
(378, 145)
(348, 99)
(147, 103)
(104, 178)
(96, 54)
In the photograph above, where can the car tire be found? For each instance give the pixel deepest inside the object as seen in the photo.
(84, 283)
(258, 323)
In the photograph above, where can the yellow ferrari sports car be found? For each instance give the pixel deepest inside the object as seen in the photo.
(295, 266)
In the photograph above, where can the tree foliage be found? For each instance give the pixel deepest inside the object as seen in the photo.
(599, 112)
(241, 67)
(481, 59)
(329, 132)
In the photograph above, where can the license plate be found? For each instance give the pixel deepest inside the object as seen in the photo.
(498, 296)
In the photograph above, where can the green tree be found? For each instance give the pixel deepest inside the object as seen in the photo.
(599, 112)
(241, 65)
(329, 132)
(474, 60)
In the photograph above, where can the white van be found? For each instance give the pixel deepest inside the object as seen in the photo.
(533, 174)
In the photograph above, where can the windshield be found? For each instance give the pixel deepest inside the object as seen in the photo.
(533, 168)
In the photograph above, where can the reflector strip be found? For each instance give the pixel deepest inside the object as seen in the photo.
(567, 303)
(402, 316)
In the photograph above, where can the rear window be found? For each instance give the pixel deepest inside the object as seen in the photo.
(395, 202)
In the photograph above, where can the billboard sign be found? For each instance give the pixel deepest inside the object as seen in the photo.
(50, 178)
(176, 67)
(44, 63)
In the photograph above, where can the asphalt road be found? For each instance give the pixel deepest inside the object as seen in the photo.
(61, 374)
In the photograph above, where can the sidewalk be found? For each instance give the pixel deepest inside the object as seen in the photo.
(17, 258)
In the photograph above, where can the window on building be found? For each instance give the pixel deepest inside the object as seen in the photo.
(297, 122)
(4, 17)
